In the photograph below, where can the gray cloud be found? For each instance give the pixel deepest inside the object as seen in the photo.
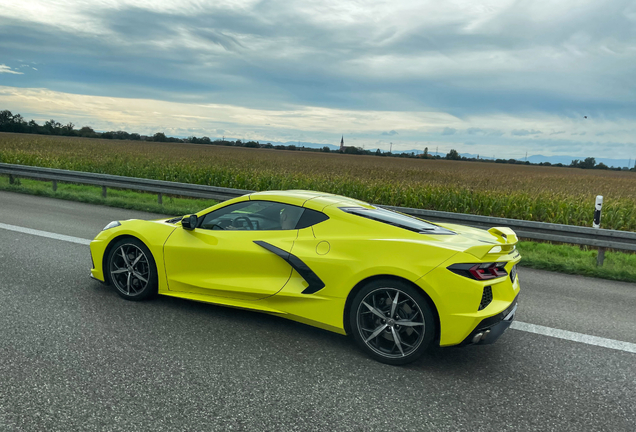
(525, 132)
(390, 133)
(522, 59)
(495, 133)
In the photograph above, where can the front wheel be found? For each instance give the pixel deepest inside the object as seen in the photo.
(132, 269)
(392, 321)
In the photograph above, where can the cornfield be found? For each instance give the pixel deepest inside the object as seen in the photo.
(546, 194)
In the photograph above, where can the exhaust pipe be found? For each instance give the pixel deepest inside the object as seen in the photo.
(480, 336)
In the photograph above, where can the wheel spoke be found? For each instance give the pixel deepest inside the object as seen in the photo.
(123, 254)
(128, 283)
(396, 339)
(137, 259)
(374, 310)
(409, 323)
(376, 333)
(140, 277)
(121, 270)
(394, 304)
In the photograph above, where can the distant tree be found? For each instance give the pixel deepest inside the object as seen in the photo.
(325, 149)
(588, 163)
(453, 155)
(601, 165)
(87, 132)
(135, 136)
(252, 144)
(160, 137)
(68, 129)
(425, 152)
(6, 117)
(52, 127)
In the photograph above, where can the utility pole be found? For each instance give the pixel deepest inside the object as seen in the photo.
(391, 149)
(436, 150)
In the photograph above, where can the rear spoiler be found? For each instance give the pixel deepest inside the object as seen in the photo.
(506, 234)
(507, 239)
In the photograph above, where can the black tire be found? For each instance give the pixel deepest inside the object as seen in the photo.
(376, 335)
(131, 269)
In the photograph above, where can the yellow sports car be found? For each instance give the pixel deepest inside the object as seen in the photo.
(396, 283)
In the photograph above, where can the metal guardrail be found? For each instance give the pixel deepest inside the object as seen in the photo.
(602, 238)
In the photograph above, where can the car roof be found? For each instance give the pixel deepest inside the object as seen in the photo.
(309, 199)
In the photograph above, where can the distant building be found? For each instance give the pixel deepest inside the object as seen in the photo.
(349, 149)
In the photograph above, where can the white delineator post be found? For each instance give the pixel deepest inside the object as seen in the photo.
(597, 224)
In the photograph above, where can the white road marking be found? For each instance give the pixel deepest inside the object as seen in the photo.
(517, 325)
(46, 234)
(576, 337)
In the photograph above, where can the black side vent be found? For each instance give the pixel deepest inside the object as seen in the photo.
(486, 298)
(174, 220)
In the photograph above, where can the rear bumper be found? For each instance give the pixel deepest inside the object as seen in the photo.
(490, 329)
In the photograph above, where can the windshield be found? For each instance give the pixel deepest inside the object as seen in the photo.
(397, 219)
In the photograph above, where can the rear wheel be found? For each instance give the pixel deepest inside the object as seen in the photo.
(132, 269)
(392, 321)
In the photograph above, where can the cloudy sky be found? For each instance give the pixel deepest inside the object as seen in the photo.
(489, 77)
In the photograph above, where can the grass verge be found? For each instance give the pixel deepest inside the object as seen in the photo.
(577, 260)
(544, 256)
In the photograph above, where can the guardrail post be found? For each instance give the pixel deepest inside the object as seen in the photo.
(11, 179)
(600, 257)
(160, 198)
(54, 185)
(104, 191)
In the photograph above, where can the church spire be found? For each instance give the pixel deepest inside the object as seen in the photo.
(342, 144)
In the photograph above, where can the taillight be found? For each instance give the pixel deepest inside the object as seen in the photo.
(482, 271)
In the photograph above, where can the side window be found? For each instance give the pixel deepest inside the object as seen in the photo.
(310, 217)
(253, 215)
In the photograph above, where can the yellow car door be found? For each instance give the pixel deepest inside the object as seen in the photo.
(227, 255)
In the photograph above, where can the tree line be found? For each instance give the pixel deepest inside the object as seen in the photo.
(10, 122)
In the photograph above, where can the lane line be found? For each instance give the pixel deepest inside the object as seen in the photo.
(575, 337)
(46, 234)
(516, 325)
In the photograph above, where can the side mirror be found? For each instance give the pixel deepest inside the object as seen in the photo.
(189, 222)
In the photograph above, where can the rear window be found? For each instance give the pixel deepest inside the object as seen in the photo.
(397, 219)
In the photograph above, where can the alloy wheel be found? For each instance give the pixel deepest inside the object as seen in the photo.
(129, 269)
(391, 323)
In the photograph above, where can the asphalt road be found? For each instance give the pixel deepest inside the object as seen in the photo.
(75, 356)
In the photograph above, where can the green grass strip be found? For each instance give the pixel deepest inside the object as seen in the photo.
(544, 256)
(577, 260)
